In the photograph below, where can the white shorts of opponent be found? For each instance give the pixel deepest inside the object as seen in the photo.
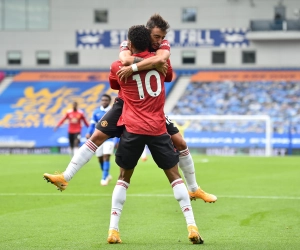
(107, 148)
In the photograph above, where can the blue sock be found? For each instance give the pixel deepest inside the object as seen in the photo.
(106, 167)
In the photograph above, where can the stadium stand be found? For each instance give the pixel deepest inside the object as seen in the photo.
(36, 101)
(278, 99)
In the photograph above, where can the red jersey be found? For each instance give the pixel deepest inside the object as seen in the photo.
(164, 45)
(75, 118)
(144, 99)
(124, 46)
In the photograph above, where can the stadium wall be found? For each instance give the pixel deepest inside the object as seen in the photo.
(69, 16)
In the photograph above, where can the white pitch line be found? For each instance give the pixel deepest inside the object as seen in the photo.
(153, 195)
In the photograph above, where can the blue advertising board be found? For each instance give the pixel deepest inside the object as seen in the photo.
(31, 107)
(238, 140)
(229, 38)
(33, 104)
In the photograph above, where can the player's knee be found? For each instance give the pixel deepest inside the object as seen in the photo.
(98, 137)
(106, 157)
(124, 176)
(180, 144)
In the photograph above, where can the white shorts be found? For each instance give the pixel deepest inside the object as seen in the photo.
(107, 148)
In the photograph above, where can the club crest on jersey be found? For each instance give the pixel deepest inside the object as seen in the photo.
(104, 123)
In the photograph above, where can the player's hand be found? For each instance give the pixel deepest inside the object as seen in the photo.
(163, 68)
(87, 136)
(124, 73)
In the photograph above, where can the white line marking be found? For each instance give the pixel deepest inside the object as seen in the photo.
(153, 195)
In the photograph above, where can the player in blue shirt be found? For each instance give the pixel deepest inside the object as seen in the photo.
(107, 148)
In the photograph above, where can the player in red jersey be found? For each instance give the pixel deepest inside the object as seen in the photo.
(161, 47)
(144, 120)
(107, 128)
(75, 117)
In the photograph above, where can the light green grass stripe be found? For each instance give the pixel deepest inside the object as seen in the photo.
(153, 195)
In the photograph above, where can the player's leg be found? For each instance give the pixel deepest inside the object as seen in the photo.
(168, 162)
(127, 156)
(186, 162)
(186, 165)
(71, 144)
(100, 160)
(106, 129)
(144, 154)
(84, 154)
(76, 143)
(181, 195)
(108, 149)
(99, 154)
(118, 200)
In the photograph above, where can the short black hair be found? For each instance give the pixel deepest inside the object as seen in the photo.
(139, 36)
(157, 21)
(106, 95)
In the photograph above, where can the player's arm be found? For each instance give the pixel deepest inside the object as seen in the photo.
(158, 62)
(169, 74)
(92, 126)
(85, 121)
(125, 55)
(61, 121)
(126, 58)
(113, 79)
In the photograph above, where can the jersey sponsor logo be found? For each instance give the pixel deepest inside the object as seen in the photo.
(74, 119)
(104, 123)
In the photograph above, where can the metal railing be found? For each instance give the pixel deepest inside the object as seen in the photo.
(275, 25)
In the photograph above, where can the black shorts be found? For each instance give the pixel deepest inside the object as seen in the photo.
(171, 128)
(73, 137)
(131, 147)
(108, 123)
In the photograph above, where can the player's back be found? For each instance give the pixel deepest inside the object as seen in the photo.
(144, 99)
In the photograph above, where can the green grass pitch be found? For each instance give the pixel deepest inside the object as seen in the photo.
(258, 206)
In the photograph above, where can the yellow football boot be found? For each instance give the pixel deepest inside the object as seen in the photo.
(194, 235)
(201, 194)
(113, 237)
(57, 179)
